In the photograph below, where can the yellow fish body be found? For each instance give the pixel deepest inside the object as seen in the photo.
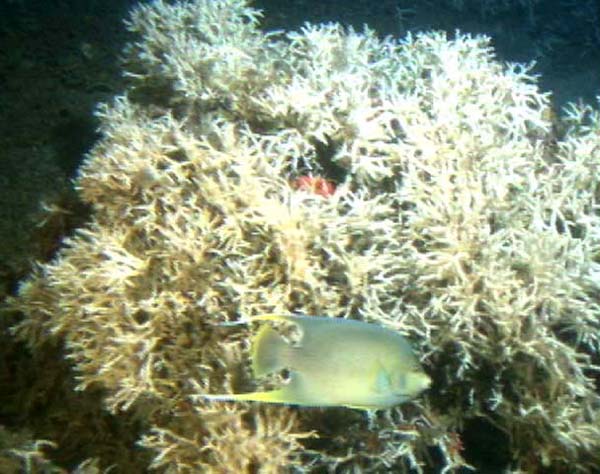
(336, 362)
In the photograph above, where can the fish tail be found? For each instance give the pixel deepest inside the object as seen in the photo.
(269, 351)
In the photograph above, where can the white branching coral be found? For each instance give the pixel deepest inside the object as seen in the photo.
(464, 216)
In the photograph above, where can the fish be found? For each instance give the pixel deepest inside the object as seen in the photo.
(333, 362)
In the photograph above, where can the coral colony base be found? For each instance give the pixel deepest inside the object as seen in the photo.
(460, 213)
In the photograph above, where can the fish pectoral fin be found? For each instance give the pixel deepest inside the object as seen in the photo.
(383, 381)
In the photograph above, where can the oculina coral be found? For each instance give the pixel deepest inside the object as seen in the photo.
(462, 217)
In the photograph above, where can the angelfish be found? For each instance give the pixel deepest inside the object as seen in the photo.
(335, 362)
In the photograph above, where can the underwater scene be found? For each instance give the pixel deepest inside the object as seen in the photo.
(300, 236)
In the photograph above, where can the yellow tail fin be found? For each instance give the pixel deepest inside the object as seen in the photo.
(268, 351)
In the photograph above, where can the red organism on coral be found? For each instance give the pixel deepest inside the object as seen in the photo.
(315, 185)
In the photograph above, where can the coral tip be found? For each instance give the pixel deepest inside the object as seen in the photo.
(315, 185)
